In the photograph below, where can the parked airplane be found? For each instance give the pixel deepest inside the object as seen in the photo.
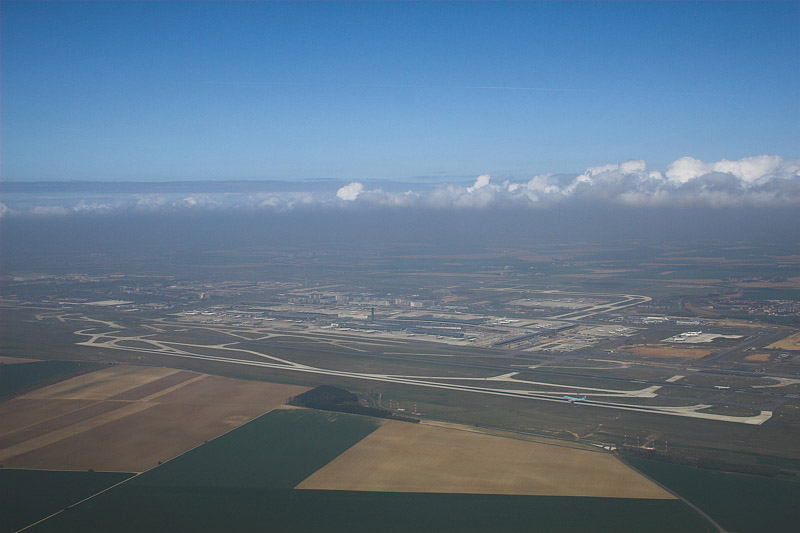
(573, 399)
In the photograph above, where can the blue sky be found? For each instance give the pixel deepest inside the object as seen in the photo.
(190, 90)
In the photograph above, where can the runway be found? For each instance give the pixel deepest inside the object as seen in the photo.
(693, 411)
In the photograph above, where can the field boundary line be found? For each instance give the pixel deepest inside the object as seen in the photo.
(79, 502)
(137, 474)
(563, 442)
(702, 513)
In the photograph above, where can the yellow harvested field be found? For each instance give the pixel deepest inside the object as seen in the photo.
(16, 360)
(614, 270)
(791, 283)
(792, 342)
(660, 350)
(759, 357)
(102, 384)
(712, 281)
(507, 434)
(403, 457)
(588, 275)
(127, 418)
(737, 324)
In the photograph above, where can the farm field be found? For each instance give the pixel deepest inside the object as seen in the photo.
(16, 360)
(127, 418)
(791, 342)
(30, 495)
(140, 508)
(16, 377)
(668, 351)
(276, 451)
(399, 457)
(243, 481)
(738, 502)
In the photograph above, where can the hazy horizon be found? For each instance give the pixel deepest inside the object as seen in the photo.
(762, 181)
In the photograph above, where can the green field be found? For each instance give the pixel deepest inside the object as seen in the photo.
(243, 481)
(30, 495)
(139, 508)
(738, 502)
(772, 294)
(277, 451)
(17, 378)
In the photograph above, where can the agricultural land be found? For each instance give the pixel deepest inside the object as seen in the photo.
(533, 374)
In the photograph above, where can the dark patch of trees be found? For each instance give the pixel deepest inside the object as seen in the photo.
(329, 398)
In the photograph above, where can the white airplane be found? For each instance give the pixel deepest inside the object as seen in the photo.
(573, 399)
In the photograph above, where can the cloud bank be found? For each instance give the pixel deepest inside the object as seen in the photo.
(760, 181)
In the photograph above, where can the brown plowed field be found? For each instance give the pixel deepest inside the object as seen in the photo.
(142, 391)
(668, 351)
(16, 360)
(19, 413)
(127, 418)
(143, 438)
(792, 342)
(401, 457)
(10, 456)
(79, 415)
(15, 437)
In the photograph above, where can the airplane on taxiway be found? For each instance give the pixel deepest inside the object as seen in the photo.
(573, 399)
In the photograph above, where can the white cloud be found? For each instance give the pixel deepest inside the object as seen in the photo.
(94, 207)
(273, 202)
(751, 169)
(350, 192)
(195, 200)
(632, 166)
(765, 180)
(687, 168)
(480, 182)
(150, 201)
(748, 169)
(49, 210)
(542, 183)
